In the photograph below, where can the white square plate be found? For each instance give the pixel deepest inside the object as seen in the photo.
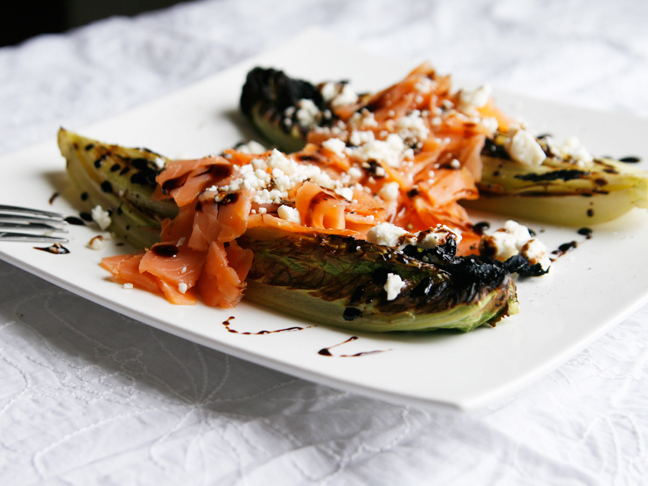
(587, 291)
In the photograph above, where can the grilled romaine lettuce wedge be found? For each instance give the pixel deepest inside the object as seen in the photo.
(340, 281)
(121, 181)
(325, 278)
(560, 191)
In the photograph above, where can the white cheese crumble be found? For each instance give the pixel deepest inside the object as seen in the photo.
(182, 288)
(361, 137)
(354, 173)
(393, 286)
(536, 252)
(128, 286)
(364, 119)
(386, 234)
(96, 243)
(413, 126)
(575, 151)
(514, 239)
(335, 145)
(491, 124)
(524, 148)
(274, 178)
(345, 192)
(392, 151)
(328, 91)
(469, 100)
(347, 96)
(307, 113)
(437, 237)
(424, 85)
(251, 147)
(289, 214)
(101, 217)
(389, 192)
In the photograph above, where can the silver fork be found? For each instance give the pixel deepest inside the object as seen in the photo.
(31, 225)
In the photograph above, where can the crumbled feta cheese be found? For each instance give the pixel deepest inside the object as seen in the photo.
(182, 288)
(96, 243)
(259, 164)
(251, 147)
(355, 173)
(469, 100)
(386, 234)
(359, 137)
(345, 192)
(502, 244)
(368, 120)
(573, 149)
(393, 286)
(437, 237)
(391, 151)
(413, 126)
(514, 239)
(335, 145)
(289, 214)
(346, 97)
(389, 192)
(307, 113)
(101, 217)
(328, 91)
(424, 85)
(536, 252)
(490, 123)
(524, 148)
(128, 286)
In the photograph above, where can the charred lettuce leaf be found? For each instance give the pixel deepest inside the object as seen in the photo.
(266, 95)
(120, 180)
(328, 279)
(558, 191)
(340, 281)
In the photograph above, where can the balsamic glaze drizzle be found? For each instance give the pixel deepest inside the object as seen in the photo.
(74, 220)
(327, 351)
(227, 323)
(56, 249)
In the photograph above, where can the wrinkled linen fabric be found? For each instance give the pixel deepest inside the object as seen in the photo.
(89, 397)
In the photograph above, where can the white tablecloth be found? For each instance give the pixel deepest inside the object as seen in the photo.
(90, 397)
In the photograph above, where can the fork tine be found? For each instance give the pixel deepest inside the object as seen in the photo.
(24, 237)
(31, 227)
(30, 211)
(16, 218)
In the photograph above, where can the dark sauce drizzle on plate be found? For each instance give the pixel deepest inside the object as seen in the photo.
(56, 249)
(327, 351)
(74, 220)
(227, 323)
